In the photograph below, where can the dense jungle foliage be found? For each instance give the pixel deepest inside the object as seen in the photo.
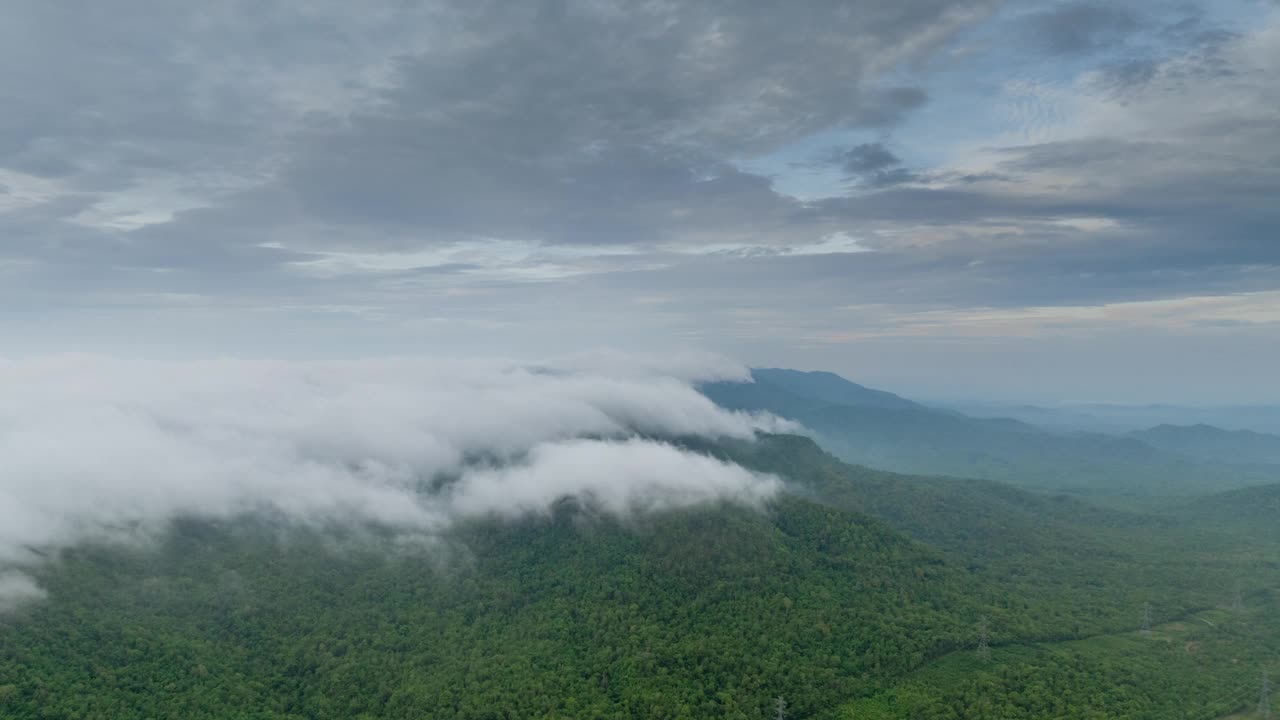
(855, 594)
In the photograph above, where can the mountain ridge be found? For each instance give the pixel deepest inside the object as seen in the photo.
(886, 431)
(1210, 442)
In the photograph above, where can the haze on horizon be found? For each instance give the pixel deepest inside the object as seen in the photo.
(1048, 202)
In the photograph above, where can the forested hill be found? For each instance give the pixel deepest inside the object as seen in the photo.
(704, 613)
(862, 426)
(1253, 511)
(840, 589)
(1087, 566)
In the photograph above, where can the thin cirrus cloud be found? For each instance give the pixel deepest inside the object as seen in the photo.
(101, 448)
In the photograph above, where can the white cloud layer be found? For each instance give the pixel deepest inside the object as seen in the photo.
(92, 446)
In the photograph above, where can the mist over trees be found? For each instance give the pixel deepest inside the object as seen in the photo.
(100, 449)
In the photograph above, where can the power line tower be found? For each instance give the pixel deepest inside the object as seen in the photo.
(984, 641)
(1146, 618)
(1237, 599)
(1264, 697)
(780, 708)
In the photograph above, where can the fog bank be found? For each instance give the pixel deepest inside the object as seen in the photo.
(92, 446)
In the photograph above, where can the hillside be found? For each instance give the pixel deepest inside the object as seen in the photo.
(1204, 665)
(1086, 566)
(911, 438)
(841, 589)
(1251, 512)
(707, 613)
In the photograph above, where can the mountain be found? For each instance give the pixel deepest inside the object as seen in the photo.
(826, 388)
(702, 613)
(1211, 443)
(845, 587)
(1114, 418)
(797, 393)
(864, 426)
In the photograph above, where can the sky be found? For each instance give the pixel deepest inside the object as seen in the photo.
(1037, 201)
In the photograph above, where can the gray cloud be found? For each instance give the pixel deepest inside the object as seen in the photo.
(1081, 27)
(580, 122)
(591, 126)
(868, 158)
(1136, 48)
(872, 165)
(395, 129)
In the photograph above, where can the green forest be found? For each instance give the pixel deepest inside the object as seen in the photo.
(857, 593)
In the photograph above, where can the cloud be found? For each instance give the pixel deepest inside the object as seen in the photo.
(1083, 27)
(397, 127)
(17, 589)
(867, 158)
(644, 477)
(96, 447)
(1149, 189)
(602, 123)
(873, 166)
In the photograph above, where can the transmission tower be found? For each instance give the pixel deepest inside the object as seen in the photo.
(1146, 618)
(780, 709)
(984, 638)
(1237, 599)
(1264, 697)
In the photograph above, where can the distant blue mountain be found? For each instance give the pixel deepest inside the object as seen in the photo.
(883, 430)
(1113, 418)
(1213, 443)
(829, 388)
